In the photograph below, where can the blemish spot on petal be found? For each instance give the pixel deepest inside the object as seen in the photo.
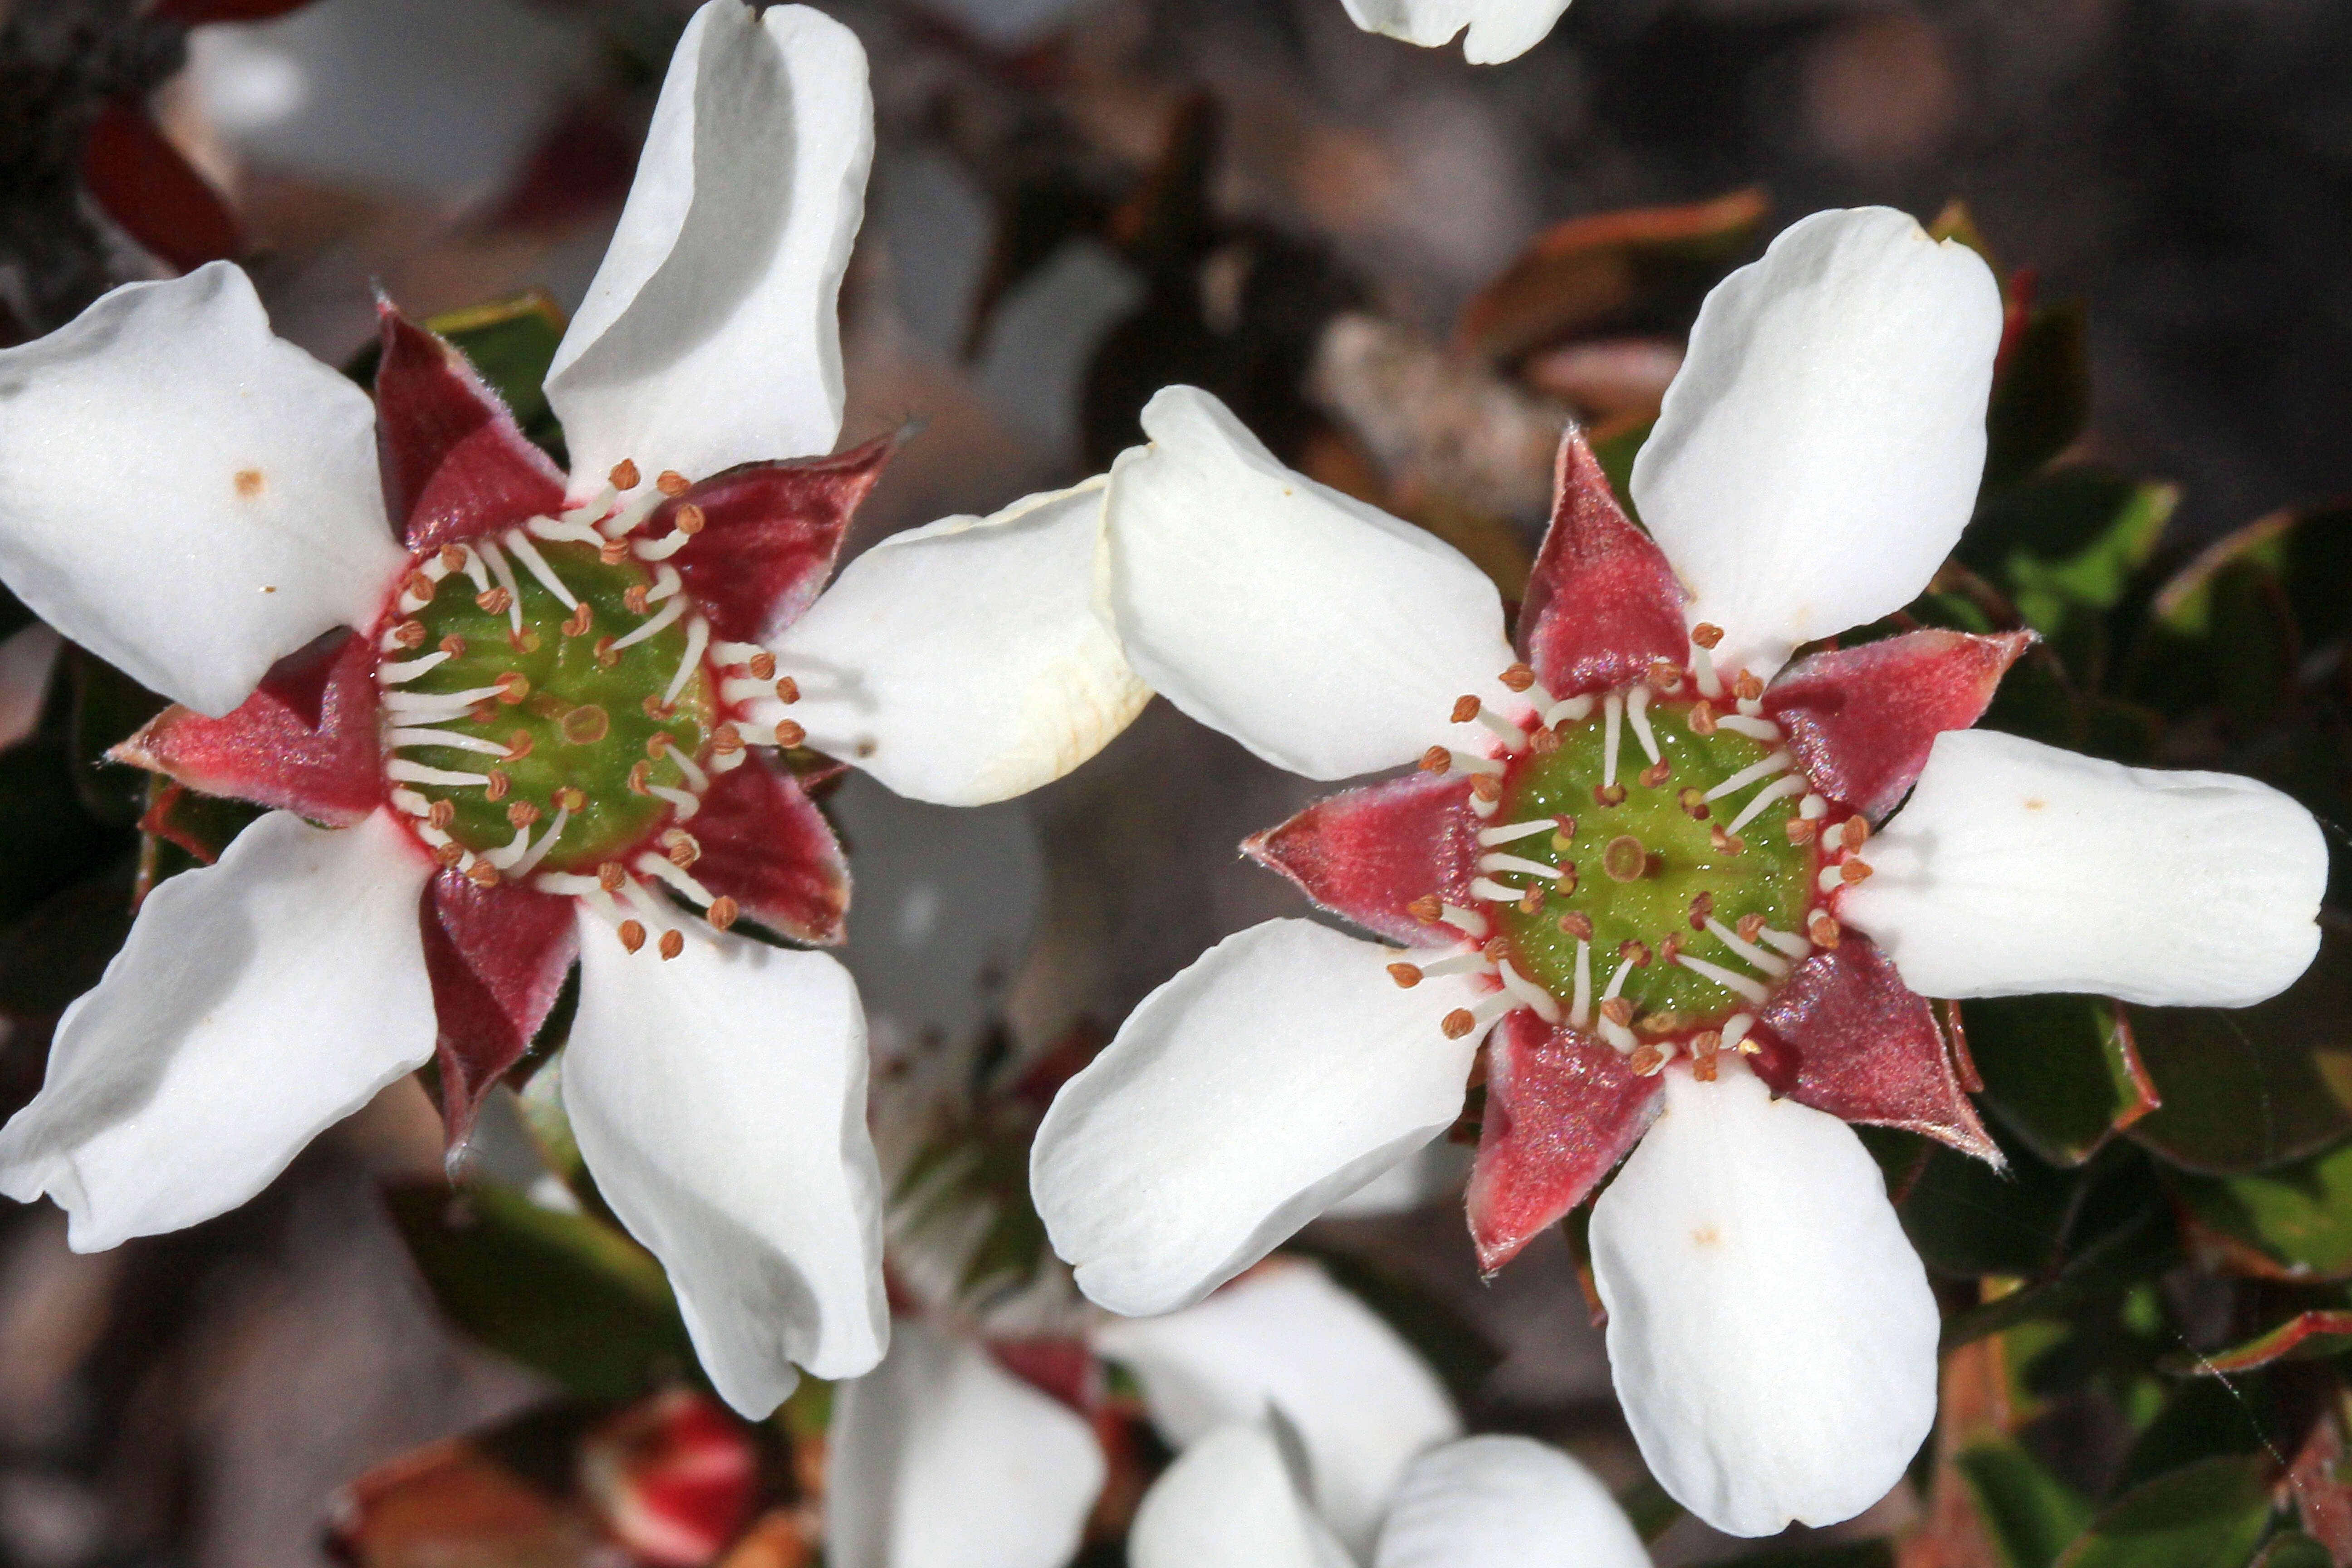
(2035, 803)
(1706, 1236)
(249, 482)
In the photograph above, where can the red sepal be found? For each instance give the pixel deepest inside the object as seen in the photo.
(1562, 1108)
(497, 958)
(766, 846)
(1844, 1035)
(1861, 719)
(1368, 853)
(455, 465)
(133, 171)
(1602, 604)
(673, 1478)
(770, 531)
(305, 740)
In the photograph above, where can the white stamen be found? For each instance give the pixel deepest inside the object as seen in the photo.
(662, 548)
(666, 581)
(1777, 762)
(432, 701)
(475, 569)
(1493, 892)
(1795, 946)
(659, 916)
(504, 857)
(594, 506)
(1753, 990)
(409, 801)
(1751, 706)
(1515, 739)
(1469, 922)
(1545, 1005)
(434, 568)
(1637, 712)
(570, 884)
(1770, 963)
(398, 739)
(1612, 726)
(687, 804)
(1473, 961)
(1468, 762)
(1735, 1033)
(743, 689)
(408, 669)
(406, 772)
(671, 872)
(1518, 863)
(728, 655)
(626, 519)
(698, 638)
(536, 564)
(538, 851)
(567, 532)
(1490, 836)
(1484, 808)
(726, 761)
(1812, 808)
(1618, 1036)
(499, 569)
(696, 779)
(1763, 729)
(1580, 1006)
(1491, 1007)
(658, 624)
(1617, 981)
(1781, 788)
(1539, 695)
(1710, 684)
(1574, 711)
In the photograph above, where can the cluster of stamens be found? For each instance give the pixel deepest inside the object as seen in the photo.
(1599, 865)
(570, 711)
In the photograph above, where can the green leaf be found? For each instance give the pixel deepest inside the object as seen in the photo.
(2210, 1514)
(563, 1293)
(2293, 1548)
(109, 707)
(2060, 1071)
(2042, 400)
(2303, 1336)
(1845, 1555)
(2116, 1229)
(2066, 548)
(2200, 1421)
(1968, 1219)
(2030, 1513)
(2223, 631)
(2247, 1088)
(2291, 1223)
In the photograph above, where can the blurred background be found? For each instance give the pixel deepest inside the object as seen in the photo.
(1403, 272)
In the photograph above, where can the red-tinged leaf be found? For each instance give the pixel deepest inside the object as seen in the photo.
(133, 171)
(770, 531)
(496, 957)
(453, 1505)
(766, 846)
(1602, 604)
(1861, 719)
(1562, 1108)
(454, 463)
(1368, 853)
(1060, 1368)
(2301, 1337)
(673, 1478)
(2323, 1500)
(1844, 1035)
(305, 740)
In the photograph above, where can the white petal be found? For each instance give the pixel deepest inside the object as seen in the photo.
(720, 1100)
(185, 495)
(940, 1458)
(258, 1003)
(26, 659)
(709, 337)
(1819, 452)
(1281, 1072)
(1499, 30)
(1231, 1502)
(1362, 1404)
(1506, 1503)
(1321, 633)
(1771, 1331)
(945, 905)
(2018, 867)
(970, 661)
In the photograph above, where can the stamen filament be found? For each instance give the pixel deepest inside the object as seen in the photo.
(1795, 946)
(666, 581)
(1490, 836)
(1763, 729)
(1613, 725)
(1735, 1033)
(1518, 863)
(1529, 994)
(661, 622)
(536, 564)
(1572, 711)
(499, 568)
(567, 532)
(698, 638)
(1469, 922)
(1739, 984)
(1779, 762)
(1580, 1008)
(687, 804)
(398, 739)
(1637, 713)
(1768, 963)
(1781, 788)
(538, 851)
(1492, 892)
(660, 865)
(406, 772)
(408, 669)
(1703, 666)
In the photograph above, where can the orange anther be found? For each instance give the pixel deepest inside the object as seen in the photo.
(1436, 760)
(1518, 678)
(1458, 1022)
(787, 688)
(1426, 909)
(623, 474)
(672, 945)
(689, 519)
(1618, 1011)
(723, 912)
(1405, 974)
(498, 785)
(580, 620)
(442, 813)
(1577, 925)
(1707, 634)
(522, 813)
(611, 877)
(763, 666)
(1466, 709)
(493, 599)
(632, 935)
(670, 482)
(790, 734)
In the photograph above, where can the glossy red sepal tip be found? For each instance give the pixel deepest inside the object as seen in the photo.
(496, 957)
(1368, 853)
(454, 466)
(1602, 604)
(770, 536)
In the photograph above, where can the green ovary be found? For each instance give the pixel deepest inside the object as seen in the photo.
(1767, 875)
(585, 721)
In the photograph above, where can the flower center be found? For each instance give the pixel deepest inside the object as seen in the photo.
(1651, 864)
(559, 690)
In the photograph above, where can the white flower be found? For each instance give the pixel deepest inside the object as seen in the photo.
(1772, 1335)
(1499, 30)
(548, 736)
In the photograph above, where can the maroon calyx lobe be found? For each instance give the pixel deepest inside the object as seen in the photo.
(496, 957)
(132, 170)
(1602, 604)
(1861, 720)
(1063, 1369)
(1368, 853)
(1844, 1035)
(765, 845)
(305, 740)
(770, 533)
(1562, 1108)
(455, 465)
